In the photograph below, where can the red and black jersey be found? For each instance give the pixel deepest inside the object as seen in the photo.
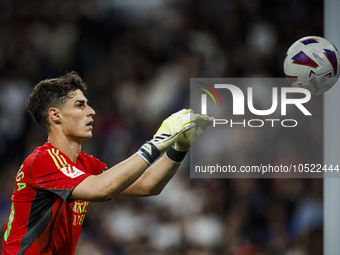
(42, 219)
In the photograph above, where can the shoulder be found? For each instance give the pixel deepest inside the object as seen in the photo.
(45, 154)
(38, 154)
(85, 158)
(44, 158)
(91, 162)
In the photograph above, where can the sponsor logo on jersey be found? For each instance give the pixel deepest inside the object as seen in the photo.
(71, 171)
(63, 166)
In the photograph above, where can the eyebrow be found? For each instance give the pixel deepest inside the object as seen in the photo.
(82, 101)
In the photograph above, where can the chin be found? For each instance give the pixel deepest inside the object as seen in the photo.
(86, 136)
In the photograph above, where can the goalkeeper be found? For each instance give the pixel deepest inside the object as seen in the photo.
(55, 183)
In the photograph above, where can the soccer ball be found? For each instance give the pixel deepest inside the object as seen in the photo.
(312, 62)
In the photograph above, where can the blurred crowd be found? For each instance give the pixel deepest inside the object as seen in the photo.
(138, 58)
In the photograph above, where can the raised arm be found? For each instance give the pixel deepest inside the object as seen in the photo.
(154, 179)
(113, 181)
(105, 186)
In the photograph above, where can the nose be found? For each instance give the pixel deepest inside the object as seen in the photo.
(90, 112)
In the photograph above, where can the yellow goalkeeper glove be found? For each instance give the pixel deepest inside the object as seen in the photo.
(167, 135)
(189, 138)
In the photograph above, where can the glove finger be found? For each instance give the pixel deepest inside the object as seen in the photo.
(190, 111)
(199, 116)
(184, 134)
(187, 127)
(188, 117)
(174, 123)
(183, 111)
(207, 123)
(204, 121)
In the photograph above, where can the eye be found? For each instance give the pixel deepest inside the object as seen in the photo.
(80, 106)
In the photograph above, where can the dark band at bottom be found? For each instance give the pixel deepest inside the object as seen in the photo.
(175, 155)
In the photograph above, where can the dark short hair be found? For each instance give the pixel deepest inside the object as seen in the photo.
(53, 93)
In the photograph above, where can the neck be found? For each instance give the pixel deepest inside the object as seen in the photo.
(70, 148)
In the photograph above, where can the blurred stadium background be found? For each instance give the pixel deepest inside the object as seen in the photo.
(132, 53)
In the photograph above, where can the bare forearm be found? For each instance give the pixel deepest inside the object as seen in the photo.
(153, 180)
(121, 176)
(110, 183)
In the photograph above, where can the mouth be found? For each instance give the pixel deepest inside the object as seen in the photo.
(89, 124)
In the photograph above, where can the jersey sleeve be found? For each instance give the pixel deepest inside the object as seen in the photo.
(50, 173)
(97, 166)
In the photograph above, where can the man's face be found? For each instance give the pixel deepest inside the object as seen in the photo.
(76, 117)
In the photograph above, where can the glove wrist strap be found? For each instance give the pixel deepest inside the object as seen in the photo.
(176, 156)
(149, 152)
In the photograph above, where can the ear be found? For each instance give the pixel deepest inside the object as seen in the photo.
(54, 115)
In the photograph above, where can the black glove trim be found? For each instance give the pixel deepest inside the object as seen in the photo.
(149, 152)
(176, 156)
